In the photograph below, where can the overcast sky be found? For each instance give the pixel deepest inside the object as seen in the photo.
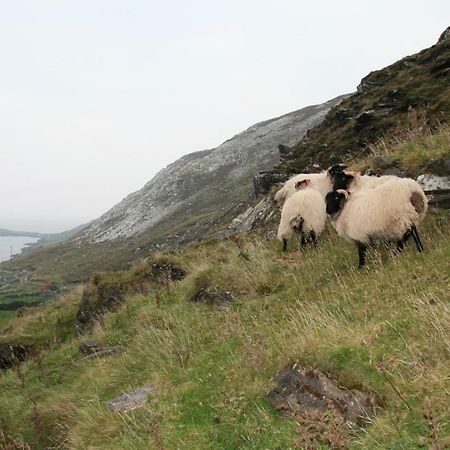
(97, 96)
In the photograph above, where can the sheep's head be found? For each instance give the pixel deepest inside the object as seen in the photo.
(302, 184)
(342, 180)
(335, 170)
(335, 200)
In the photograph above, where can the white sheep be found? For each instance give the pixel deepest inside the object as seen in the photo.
(323, 182)
(304, 213)
(390, 211)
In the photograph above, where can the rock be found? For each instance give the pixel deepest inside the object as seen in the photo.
(96, 302)
(440, 167)
(89, 347)
(106, 351)
(311, 394)
(394, 171)
(167, 271)
(263, 182)
(437, 189)
(95, 349)
(445, 35)
(431, 182)
(213, 298)
(284, 149)
(252, 216)
(373, 80)
(130, 400)
(383, 162)
(13, 354)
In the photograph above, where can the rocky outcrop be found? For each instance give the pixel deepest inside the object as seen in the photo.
(106, 292)
(437, 189)
(13, 354)
(311, 394)
(253, 216)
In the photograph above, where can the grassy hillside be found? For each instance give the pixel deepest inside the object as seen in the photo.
(383, 329)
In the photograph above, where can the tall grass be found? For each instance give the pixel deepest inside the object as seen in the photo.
(384, 329)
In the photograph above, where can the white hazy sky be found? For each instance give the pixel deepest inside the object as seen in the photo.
(97, 96)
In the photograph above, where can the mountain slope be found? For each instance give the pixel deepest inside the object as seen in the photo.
(195, 197)
(383, 102)
(208, 181)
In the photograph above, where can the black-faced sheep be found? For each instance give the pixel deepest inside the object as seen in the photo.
(303, 213)
(390, 211)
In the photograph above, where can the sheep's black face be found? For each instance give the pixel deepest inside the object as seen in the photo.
(336, 169)
(342, 180)
(334, 201)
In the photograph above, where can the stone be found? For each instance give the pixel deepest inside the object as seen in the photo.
(95, 349)
(106, 351)
(431, 182)
(213, 298)
(13, 354)
(383, 162)
(445, 35)
(394, 171)
(89, 347)
(252, 216)
(311, 394)
(264, 181)
(284, 149)
(130, 400)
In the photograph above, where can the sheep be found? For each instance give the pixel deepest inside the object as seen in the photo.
(354, 182)
(390, 211)
(303, 213)
(322, 182)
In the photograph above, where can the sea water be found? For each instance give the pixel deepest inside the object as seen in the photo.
(17, 243)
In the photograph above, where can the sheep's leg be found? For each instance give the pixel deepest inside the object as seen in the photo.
(303, 241)
(415, 235)
(362, 254)
(313, 237)
(284, 244)
(401, 243)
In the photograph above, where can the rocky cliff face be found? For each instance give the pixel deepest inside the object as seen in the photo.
(207, 183)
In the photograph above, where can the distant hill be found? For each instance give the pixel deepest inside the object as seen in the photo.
(5, 232)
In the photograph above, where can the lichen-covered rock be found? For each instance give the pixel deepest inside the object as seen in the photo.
(312, 394)
(130, 400)
(437, 189)
(13, 354)
(213, 298)
(253, 216)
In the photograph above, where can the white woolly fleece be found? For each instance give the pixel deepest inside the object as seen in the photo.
(369, 182)
(319, 181)
(307, 204)
(384, 212)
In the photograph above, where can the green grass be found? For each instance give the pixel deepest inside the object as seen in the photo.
(414, 150)
(383, 328)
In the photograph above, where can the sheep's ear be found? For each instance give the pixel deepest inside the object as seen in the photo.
(301, 184)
